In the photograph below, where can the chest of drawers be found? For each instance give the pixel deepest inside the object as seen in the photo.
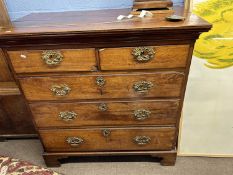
(97, 86)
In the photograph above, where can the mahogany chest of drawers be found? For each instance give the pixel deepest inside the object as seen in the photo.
(97, 86)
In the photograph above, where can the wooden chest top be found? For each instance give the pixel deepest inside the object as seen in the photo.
(55, 27)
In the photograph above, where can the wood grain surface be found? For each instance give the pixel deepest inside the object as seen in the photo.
(165, 84)
(173, 56)
(162, 112)
(150, 4)
(119, 139)
(28, 61)
(96, 28)
(15, 119)
(5, 74)
(5, 21)
(96, 21)
(9, 88)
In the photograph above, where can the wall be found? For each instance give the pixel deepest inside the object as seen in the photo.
(207, 127)
(19, 8)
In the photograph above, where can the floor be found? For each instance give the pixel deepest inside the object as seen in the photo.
(31, 150)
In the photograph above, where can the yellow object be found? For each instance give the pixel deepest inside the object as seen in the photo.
(216, 46)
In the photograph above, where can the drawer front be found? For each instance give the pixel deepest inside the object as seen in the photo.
(105, 139)
(174, 56)
(106, 86)
(105, 113)
(30, 61)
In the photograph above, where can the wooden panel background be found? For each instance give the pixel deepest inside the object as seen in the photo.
(5, 74)
(14, 117)
(4, 17)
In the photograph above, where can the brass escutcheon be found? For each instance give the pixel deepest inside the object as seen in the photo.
(74, 141)
(143, 54)
(52, 57)
(142, 140)
(141, 114)
(106, 132)
(100, 81)
(67, 115)
(142, 86)
(60, 90)
(103, 107)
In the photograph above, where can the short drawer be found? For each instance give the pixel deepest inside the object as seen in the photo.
(30, 61)
(149, 112)
(172, 56)
(141, 85)
(105, 139)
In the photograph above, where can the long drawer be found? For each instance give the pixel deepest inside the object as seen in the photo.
(149, 57)
(150, 112)
(31, 61)
(134, 85)
(105, 139)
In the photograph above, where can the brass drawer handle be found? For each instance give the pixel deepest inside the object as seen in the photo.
(141, 114)
(142, 140)
(100, 81)
(143, 54)
(52, 57)
(142, 86)
(74, 141)
(68, 115)
(106, 132)
(103, 107)
(60, 90)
